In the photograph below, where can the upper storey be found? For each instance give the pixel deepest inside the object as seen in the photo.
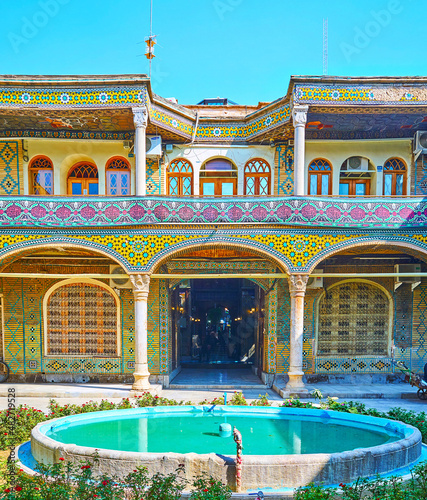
(81, 137)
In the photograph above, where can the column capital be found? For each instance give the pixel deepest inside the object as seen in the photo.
(298, 283)
(140, 116)
(141, 285)
(299, 115)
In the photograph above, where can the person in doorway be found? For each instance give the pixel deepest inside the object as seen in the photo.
(212, 345)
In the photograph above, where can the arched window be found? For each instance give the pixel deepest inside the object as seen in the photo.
(320, 177)
(357, 176)
(394, 177)
(353, 321)
(118, 177)
(41, 175)
(257, 177)
(81, 320)
(180, 178)
(218, 177)
(83, 179)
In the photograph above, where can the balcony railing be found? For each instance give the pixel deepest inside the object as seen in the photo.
(355, 212)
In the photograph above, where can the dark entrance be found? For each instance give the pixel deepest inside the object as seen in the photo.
(217, 323)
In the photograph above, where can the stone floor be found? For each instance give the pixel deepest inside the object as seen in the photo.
(221, 378)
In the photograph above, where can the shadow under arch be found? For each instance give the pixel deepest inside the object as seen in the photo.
(235, 244)
(10, 255)
(407, 245)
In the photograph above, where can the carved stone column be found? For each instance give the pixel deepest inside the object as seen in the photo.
(297, 287)
(141, 287)
(140, 120)
(299, 115)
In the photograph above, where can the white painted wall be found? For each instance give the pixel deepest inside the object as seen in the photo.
(377, 151)
(239, 155)
(66, 153)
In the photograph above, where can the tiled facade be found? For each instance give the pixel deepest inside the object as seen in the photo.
(90, 121)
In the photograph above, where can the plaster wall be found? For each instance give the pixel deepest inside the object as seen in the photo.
(239, 155)
(64, 154)
(378, 152)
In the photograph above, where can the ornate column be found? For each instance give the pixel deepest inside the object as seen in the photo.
(141, 287)
(297, 287)
(140, 121)
(299, 115)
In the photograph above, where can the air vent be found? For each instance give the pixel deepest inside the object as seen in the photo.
(421, 142)
(357, 164)
(315, 281)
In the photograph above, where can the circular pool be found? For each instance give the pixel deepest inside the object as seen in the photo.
(282, 447)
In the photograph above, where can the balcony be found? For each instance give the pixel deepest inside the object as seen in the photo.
(309, 211)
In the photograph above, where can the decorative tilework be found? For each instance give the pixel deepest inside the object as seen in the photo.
(283, 326)
(14, 343)
(132, 211)
(285, 170)
(164, 326)
(153, 176)
(402, 324)
(359, 364)
(73, 97)
(297, 250)
(270, 341)
(153, 327)
(419, 329)
(69, 134)
(128, 329)
(10, 167)
(82, 365)
(338, 94)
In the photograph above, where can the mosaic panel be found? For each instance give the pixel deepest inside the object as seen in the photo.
(73, 97)
(283, 326)
(82, 365)
(421, 176)
(333, 94)
(14, 342)
(153, 181)
(359, 364)
(270, 341)
(34, 290)
(10, 167)
(130, 211)
(128, 329)
(402, 325)
(419, 329)
(139, 251)
(153, 327)
(163, 328)
(284, 160)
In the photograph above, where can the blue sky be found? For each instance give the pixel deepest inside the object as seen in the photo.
(245, 50)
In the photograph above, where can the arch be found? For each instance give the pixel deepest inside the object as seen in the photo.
(377, 319)
(257, 174)
(230, 243)
(218, 177)
(395, 173)
(180, 179)
(357, 176)
(405, 243)
(95, 335)
(40, 171)
(117, 176)
(7, 253)
(82, 179)
(320, 177)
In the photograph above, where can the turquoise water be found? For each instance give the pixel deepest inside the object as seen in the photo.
(198, 433)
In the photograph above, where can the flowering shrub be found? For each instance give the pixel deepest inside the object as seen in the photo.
(208, 488)
(261, 401)
(238, 399)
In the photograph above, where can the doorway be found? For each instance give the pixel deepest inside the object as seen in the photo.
(217, 323)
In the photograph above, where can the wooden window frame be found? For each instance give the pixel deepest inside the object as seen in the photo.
(108, 168)
(353, 182)
(32, 170)
(180, 176)
(394, 173)
(84, 181)
(219, 177)
(319, 173)
(257, 176)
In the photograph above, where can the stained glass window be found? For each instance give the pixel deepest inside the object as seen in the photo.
(41, 176)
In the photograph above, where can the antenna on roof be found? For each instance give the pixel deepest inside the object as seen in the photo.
(325, 46)
(151, 40)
